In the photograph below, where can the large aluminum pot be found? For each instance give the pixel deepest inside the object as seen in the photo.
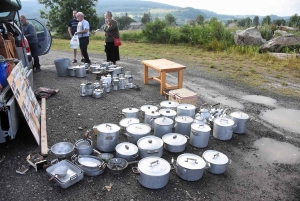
(168, 113)
(190, 167)
(223, 128)
(148, 108)
(186, 110)
(72, 71)
(150, 116)
(175, 142)
(136, 131)
(199, 135)
(130, 112)
(80, 71)
(128, 121)
(162, 126)
(183, 125)
(217, 160)
(107, 137)
(91, 165)
(240, 119)
(154, 172)
(150, 146)
(84, 147)
(94, 67)
(127, 151)
(169, 105)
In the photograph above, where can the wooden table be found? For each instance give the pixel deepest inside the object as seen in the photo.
(163, 66)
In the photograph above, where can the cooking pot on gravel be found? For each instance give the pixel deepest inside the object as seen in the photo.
(217, 160)
(107, 137)
(62, 149)
(72, 71)
(162, 126)
(199, 136)
(91, 165)
(154, 172)
(169, 105)
(168, 113)
(98, 93)
(118, 165)
(136, 131)
(183, 125)
(150, 146)
(127, 151)
(80, 71)
(148, 108)
(175, 142)
(240, 119)
(186, 110)
(94, 67)
(131, 112)
(223, 128)
(190, 167)
(84, 147)
(150, 116)
(128, 121)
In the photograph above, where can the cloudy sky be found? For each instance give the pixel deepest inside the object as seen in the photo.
(241, 7)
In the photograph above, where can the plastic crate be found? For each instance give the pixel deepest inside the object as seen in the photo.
(183, 96)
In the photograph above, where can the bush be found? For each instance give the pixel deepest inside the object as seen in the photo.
(267, 31)
(156, 31)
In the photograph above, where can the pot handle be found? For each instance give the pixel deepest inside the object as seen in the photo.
(192, 159)
(229, 162)
(194, 133)
(187, 137)
(175, 125)
(207, 165)
(127, 134)
(55, 161)
(74, 158)
(102, 166)
(135, 156)
(96, 152)
(73, 177)
(109, 137)
(135, 170)
(152, 152)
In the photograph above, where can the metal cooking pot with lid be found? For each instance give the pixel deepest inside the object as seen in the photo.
(169, 105)
(131, 112)
(84, 147)
(148, 108)
(107, 137)
(150, 146)
(94, 67)
(168, 113)
(136, 131)
(223, 128)
(72, 71)
(199, 136)
(240, 119)
(128, 121)
(217, 160)
(150, 116)
(186, 110)
(127, 151)
(162, 126)
(183, 125)
(91, 165)
(80, 71)
(175, 142)
(62, 149)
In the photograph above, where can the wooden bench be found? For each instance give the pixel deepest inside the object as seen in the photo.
(163, 66)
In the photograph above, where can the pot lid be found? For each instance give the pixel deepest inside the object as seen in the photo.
(169, 104)
(164, 121)
(154, 166)
(204, 110)
(150, 142)
(127, 121)
(127, 148)
(215, 157)
(146, 108)
(167, 112)
(95, 65)
(89, 161)
(108, 128)
(224, 121)
(130, 110)
(200, 127)
(186, 107)
(152, 113)
(174, 139)
(191, 161)
(184, 119)
(138, 129)
(71, 67)
(239, 115)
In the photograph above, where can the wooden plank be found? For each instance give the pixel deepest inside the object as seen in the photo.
(163, 82)
(156, 79)
(44, 140)
(162, 64)
(145, 74)
(180, 79)
(171, 87)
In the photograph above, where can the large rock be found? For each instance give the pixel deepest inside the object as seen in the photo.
(280, 42)
(250, 36)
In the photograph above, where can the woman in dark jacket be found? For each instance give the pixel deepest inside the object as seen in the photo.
(111, 31)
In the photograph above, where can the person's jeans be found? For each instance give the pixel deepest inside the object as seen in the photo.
(83, 43)
(34, 53)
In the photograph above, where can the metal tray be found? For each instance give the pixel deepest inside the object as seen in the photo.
(74, 174)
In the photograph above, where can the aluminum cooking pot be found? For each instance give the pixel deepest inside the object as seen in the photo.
(168, 113)
(98, 93)
(94, 67)
(223, 128)
(169, 105)
(80, 71)
(118, 165)
(199, 135)
(62, 149)
(91, 165)
(162, 126)
(127, 151)
(175, 142)
(128, 121)
(240, 119)
(183, 125)
(107, 137)
(148, 108)
(150, 146)
(72, 71)
(136, 131)
(217, 160)
(84, 147)
(150, 116)
(186, 110)
(154, 172)
(131, 112)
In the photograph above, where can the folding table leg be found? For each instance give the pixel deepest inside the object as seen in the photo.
(180, 79)
(145, 74)
(163, 82)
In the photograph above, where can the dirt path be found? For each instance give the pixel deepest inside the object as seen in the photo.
(267, 169)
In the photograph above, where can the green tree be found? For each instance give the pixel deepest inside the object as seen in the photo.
(146, 18)
(199, 20)
(280, 22)
(248, 22)
(124, 21)
(255, 21)
(170, 19)
(266, 20)
(294, 21)
(61, 12)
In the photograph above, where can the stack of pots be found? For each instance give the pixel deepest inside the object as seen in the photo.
(107, 137)
(136, 131)
(148, 108)
(183, 125)
(168, 113)
(199, 136)
(150, 116)
(162, 126)
(150, 146)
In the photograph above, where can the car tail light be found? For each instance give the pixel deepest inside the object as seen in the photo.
(26, 45)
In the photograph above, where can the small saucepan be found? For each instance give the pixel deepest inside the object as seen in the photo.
(118, 165)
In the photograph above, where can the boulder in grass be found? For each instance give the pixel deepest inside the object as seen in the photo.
(279, 43)
(250, 36)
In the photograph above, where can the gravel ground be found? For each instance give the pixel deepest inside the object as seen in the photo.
(249, 177)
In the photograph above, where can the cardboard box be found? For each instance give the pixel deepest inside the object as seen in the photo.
(183, 96)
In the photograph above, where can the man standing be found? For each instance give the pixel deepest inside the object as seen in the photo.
(72, 29)
(83, 32)
(32, 38)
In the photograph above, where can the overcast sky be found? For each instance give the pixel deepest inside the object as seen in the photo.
(241, 7)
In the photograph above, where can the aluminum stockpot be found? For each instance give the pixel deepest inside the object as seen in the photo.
(217, 160)
(72, 71)
(136, 131)
(183, 125)
(150, 146)
(127, 151)
(80, 71)
(175, 142)
(154, 172)
(62, 149)
(148, 108)
(186, 110)
(94, 67)
(169, 105)
(240, 119)
(130, 112)
(190, 167)
(128, 121)
(84, 147)
(107, 137)
(199, 136)
(170, 113)
(223, 128)
(162, 126)
(91, 165)
(150, 116)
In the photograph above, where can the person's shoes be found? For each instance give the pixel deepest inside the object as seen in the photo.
(74, 61)
(83, 60)
(37, 70)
